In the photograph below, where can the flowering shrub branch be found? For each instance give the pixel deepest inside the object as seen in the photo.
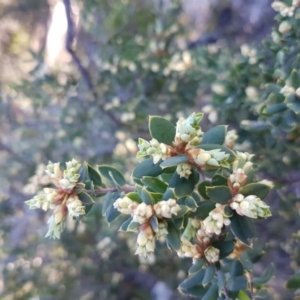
(206, 219)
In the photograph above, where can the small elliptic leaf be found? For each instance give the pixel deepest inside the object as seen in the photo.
(209, 274)
(197, 265)
(219, 180)
(94, 175)
(237, 283)
(169, 194)
(265, 276)
(294, 79)
(190, 202)
(134, 196)
(236, 269)
(225, 247)
(124, 226)
(183, 210)
(174, 161)
(173, 237)
(133, 226)
(242, 228)
(258, 189)
(202, 189)
(196, 291)
(112, 174)
(111, 214)
(182, 186)
(85, 198)
(219, 194)
(154, 223)
(146, 197)
(147, 168)
(212, 292)
(221, 281)
(192, 280)
(243, 296)
(154, 184)
(83, 173)
(203, 210)
(215, 135)
(162, 130)
(293, 282)
(107, 202)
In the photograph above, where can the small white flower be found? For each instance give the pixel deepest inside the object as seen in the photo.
(55, 228)
(44, 200)
(212, 254)
(187, 249)
(250, 206)
(184, 170)
(124, 205)
(75, 207)
(230, 139)
(145, 244)
(142, 213)
(153, 148)
(287, 90)
(53, 170)
(165, 209)
(215, 221)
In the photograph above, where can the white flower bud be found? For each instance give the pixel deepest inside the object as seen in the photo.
(142, 213)
(184, 170)
(145, 244)
(124, 205)
(165, 209)
(287, 90)
(212, 254)
(187, 249)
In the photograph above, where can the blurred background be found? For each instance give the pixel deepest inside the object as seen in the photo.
(78, 80)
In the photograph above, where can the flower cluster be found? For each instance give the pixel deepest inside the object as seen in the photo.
(187, 249)
(124, 205)
(145, 242)
(213, 158)
(212, 254)
(215, 221)
(142, 213)
(184, 170)
(250, 206)
(165, 209)
(63, 200)
(188, 130)
(153, 148)
(285, 10)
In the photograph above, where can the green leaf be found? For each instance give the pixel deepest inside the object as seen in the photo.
(173, 237)
(294, 79)
(197, 265)
(83, 173)
(219, 180)
(225, 247)
(221, 281)
(246, 261)
(202, 189)
(146, 197)
(215, 135)
(274, 109)
(295, 107)
(192, 280)
(147, 168)
(190, 202)
(197, 291)
(154, 184)
(203, 210)
(293, 282)
(85, 198)
(262, 294)
(111, 214)
(209, 274)
(169, 194)
(237, 283)
(207, 147)
(265, 276)
(273, 88)
(107, 202)
(112, 174)
(134, 196)
(182, 186)
(154, 223)
(162, 130)
(258, 189)
(243, 296)
(174, 161)
(133, 226)
(94, 175)
(219, 194)
(236, 269)
(183, 210)
(242, 228)
(212, 292)
(124, 226)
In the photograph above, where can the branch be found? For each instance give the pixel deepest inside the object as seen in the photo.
(83, 71)
(126, 189)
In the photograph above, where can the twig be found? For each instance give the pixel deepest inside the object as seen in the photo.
(83, 71)
(104, 191)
